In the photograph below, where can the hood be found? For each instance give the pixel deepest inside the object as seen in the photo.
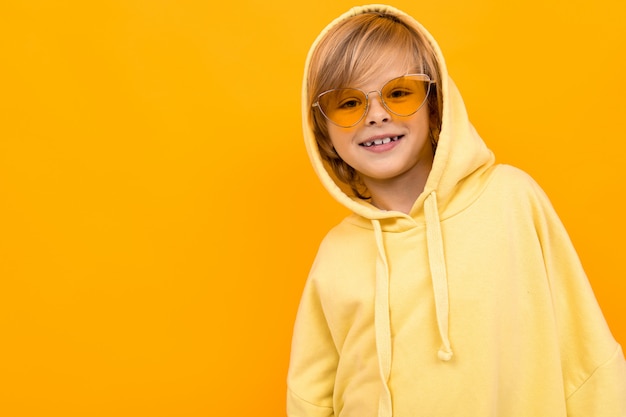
(461, 159)
(460, 150)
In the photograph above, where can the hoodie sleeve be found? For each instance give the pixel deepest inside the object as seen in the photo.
(594, 371)
(314, 359)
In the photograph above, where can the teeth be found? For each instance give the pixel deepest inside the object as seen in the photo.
(379, 141)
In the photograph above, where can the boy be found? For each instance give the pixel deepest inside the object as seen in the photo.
(453, 288)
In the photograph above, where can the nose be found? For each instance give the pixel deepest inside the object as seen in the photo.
(377, 113)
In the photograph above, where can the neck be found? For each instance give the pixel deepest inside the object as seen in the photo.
(399, 193)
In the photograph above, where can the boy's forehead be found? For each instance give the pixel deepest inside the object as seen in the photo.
(382, 68)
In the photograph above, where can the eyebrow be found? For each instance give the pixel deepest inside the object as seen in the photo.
(360, 87)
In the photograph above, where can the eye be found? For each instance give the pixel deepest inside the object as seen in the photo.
(349, 103)
(400, 93)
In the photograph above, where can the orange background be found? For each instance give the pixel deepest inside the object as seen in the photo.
(158, 214)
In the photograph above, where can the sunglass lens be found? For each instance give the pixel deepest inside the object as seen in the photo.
(405, 95)
(344, 106)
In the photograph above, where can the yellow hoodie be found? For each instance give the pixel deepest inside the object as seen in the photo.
(475, 304)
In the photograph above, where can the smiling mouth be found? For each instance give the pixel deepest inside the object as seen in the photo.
(382, 141)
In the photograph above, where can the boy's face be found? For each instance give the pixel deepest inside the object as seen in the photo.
(405, 150)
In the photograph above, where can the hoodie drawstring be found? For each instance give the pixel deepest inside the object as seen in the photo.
(382, 322)
(438, 272)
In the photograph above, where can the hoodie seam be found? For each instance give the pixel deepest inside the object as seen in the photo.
(602, 365)
(309, 402)
(495, 171)
(490, 177)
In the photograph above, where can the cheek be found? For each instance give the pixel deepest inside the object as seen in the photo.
(421, 121)
(342, 144)
(338, 136)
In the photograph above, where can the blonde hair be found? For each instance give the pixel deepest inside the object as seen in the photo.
(348, 54)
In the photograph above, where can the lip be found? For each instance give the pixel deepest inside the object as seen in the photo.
(383, 136)
(382, 147)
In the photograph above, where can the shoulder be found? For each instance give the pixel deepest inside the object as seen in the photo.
(515, 182)
(519, 191)
(513, 176)
(351, 231)
(346, 244)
